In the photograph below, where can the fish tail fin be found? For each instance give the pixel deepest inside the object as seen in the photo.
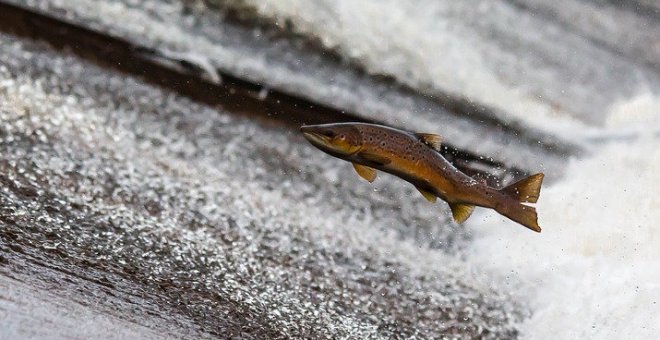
(525, 190)
(522, 214)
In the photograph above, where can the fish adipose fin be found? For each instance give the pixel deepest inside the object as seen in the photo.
(428, 195)
(433, 141)
(461, 212)
(527, 189)
(365, 172)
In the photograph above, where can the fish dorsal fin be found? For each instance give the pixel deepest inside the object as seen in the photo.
(365, 172)
(374, 158)
(460, 211)
(432, 140)
(427, 194)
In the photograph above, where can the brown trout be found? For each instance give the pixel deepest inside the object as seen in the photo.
(414, 157)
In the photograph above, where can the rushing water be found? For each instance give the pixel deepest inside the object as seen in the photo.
(511, 55)
(594, 272)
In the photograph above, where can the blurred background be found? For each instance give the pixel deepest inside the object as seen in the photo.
(154, 184)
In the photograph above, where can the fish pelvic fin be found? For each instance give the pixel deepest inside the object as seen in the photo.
(525, 190)
(461, 211)
(365, 172)
(522, 214)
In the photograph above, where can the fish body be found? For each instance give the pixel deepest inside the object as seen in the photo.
(414, 157)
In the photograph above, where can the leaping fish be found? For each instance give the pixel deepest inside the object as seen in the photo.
(415, 158)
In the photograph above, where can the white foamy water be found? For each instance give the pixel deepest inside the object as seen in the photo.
(495, 52)
(594, 271)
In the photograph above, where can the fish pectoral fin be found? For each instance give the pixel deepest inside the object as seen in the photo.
(461, 211)
(428, 195)
(365, 172)
(374, 158)
(432, 140)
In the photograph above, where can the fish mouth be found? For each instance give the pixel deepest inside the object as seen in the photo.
(325, 139)
(316, 138)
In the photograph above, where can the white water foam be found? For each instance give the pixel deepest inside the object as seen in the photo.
(594, 271)
(533, 69)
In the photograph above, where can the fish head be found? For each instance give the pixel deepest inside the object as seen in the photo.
(341, 139)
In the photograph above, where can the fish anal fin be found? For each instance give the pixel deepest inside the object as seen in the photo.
(526, 190)
(461, 211)
(365, 172)
(374, 158)
(432, 140)
(428, 195)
